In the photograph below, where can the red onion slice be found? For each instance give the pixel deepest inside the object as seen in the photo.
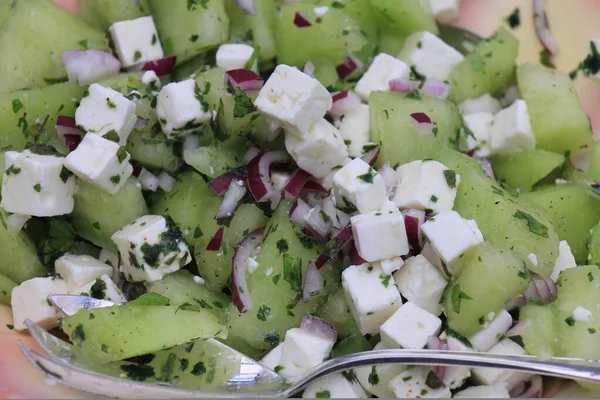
(319, 327)
(518, 328)
(532, 389)
(140, 123)
(540, 21)
(259, 174)
(542, 290)
(235, 192)
(239, 269)
(247, 5)
(321, 261)
(314, 283)
(72, 141)
(251, 153)
(314, 187)
(244, 79)
(389, 178)
(309, 68)
(370, 157)
(87, 66)
(423, 124)
(162, 66)
(434, 343)
(215, 242)
(66, 126)
(413, 219)
(421, 118)
(295, 184)
(299, 212)
(349, 67)
(486, 166)
(403, 85)
(436, 88)
(220, 184)
(344, 102)
(301, 21)
(355, 257)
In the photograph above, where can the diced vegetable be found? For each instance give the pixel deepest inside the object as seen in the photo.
(103, 13)
(6, 287)
(538, 337)
(524, 169)
(336, 311)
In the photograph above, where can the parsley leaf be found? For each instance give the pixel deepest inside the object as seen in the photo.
(456, 297)
(534, 225)
(58, 240)
(292, 272)
(450, 176)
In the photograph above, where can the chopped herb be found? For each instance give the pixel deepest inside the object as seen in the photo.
(115, 179)
(189, 307)
(278, 368)
(198, 369)
(112, 135)
(250, 63)
(570, 321)
(433, 199)
(16, 105)
(424, 392)
(191, 4)
(533, 224)
(78, 334)
(10, 326)
(369, 146)
(292, 272)
(121, 154)
(110, 103)
(373, 377)
(65, 174)
(184, 363)
(22, 123)
(53, 81)
(450, 176)
(337, 4)
(169, 242)
(138, 372)
(198, 232)
(282, 246)
(137, 55)
(523, 275)
(263, 312)
(243, 104)
(385, 280)
(276, 278)
(12, 170)
(591, 330)
(546, 60)
(154, 39)
(86, 93)
(324, 394)
(407, 378)
(57, 240)
(349, 207)
(272, 338)
(194, 38)
(514, 19)
(350, 376)
(218, 123)
(457, 296)
(98, 289)
(591, 64)
(458, 337)
(369, 176)
(347, 142)
(326, 218)
(83, 43)
(590, 276)
(415, 95)
(481, 320)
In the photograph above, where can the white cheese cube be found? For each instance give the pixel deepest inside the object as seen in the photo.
(426, 185)
(455, 377)
(36, 185)
(110, 258)
(29, 300)
(511, 130)
(477, 133)
(483, 392)
(100, 162)
(235, 56)
(136, 41)
(371, 296)
(451, 235)
(376, 379)
(107, 113)
(319, 150)
(430, 56)
(380, 235)
(391, 265)
(411, 384)
(335, 386)
(355, 130)
(444, 10)
(320, 12)
(273, 358)
(151, 247)
(421, 283)
(383, 69)
(78, 270)
(582, 314)
(485, 103)
(565, 260)
(357, 187)
(435, 260)
(179, 110)
(150, 78)
(103, 288)
(301, 351)
(596, 43)
(493, 376)
(293, 99)
(493, 331)
(409, 327)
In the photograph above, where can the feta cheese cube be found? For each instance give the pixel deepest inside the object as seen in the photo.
(450, 235)
(582, 314)
(380, 235)
(412, 384)
(429, 55)
(273, 357)
(78, 270)
(102, 288)
(391, 265)
(483, 392)
(493, 331)
(151, 247)
(303, 350)
(179, 110)
(150, 78)
(319, 150)
(236, 56)
(383, 69)
(29, 300)
(36, 185)
(565, 260)
(371, 296)
(435, 260)
(107, 113)
(596, 43)
(293, 99)
(358, 187)
(444, 10)
(477, 133)
(112, 259)
(485, 103)
(511, 130)
(455, 377)
(426, 185)
(355, 130)
(421, 283)
(136, 41)
(334, 386)
(376, 379)
(320, 12)
(409, 327)
(100, 162)
(493, 376)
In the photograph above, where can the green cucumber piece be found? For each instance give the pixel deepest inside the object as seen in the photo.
(129, 330)
(524, 169)
(151, 149)
(97, 215)
(538, 337)
(394, 128)
(101, 14)
(594, 246)
(190, 27)
(405, 17)
(213, 161)
(33, 37)
(558, 121)
(6, 287)
(257, 30)
(594, 171)
(489, 68)
(484, 278)
(505, 222)
(336, 311)
(354, 343)
(573, 211)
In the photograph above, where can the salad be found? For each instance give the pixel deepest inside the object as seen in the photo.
(299, 180)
